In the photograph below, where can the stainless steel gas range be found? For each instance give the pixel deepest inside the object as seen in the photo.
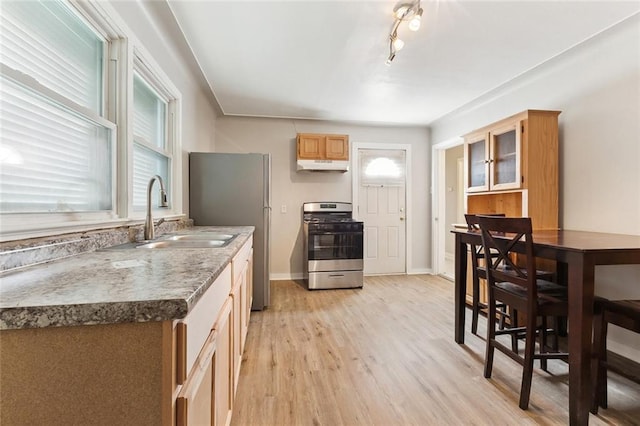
(333, 244)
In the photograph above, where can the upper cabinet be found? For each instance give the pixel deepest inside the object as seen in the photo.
(323, 147)
(494, 158)
(511, 167)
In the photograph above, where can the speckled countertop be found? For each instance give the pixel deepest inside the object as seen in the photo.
(113, 286)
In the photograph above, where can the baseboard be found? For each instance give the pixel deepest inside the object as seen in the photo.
(412, 272)
(422, 271)
(300, 276)
(285, 277)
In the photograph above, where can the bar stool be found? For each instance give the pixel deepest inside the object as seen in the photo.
(623, 313)
(519, 287)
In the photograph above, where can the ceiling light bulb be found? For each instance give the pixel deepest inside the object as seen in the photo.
(398, 44)
(401, 12)
(414, 24)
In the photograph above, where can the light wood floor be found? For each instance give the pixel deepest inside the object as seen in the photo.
(385, 355)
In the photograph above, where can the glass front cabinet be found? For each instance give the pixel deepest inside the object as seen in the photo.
(493, 160)
(511, 167)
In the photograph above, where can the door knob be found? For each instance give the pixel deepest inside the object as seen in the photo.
(402, 218)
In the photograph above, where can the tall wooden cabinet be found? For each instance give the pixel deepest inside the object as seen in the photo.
(511, 167)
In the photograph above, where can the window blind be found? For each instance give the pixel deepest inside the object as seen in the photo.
(50, 43)
(382, 167)
(150, 143)
(53, 156)
(146, 164)
(51, 159)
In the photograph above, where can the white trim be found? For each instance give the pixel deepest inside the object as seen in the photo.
(152, 75)
(438, 204)
(286, 277)
(300, 276)
(421, 271)
(408, 188)
(31, 84)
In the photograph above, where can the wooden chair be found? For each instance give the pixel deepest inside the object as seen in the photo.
(478, 272)
(519, 288)
(623, 313)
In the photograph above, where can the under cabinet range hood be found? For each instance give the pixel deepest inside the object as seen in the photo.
(322, 153)
(323, 165)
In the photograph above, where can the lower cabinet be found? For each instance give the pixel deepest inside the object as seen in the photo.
(247, 300)
(194, 404)
(223, 389)
(164, 373)
(207, 393)
(242, 296)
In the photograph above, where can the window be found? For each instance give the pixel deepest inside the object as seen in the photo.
(66, 158)
(56, 148)
(150, 154)
(382, 167)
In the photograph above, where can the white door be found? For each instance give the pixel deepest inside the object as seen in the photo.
(382, 207)
(443, 203)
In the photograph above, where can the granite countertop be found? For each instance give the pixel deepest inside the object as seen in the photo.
(113, 286)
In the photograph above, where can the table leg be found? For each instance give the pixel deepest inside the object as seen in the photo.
(581, 290)
(460, 287)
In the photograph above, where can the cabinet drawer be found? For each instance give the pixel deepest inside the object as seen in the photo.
(240, 259)
(193, 330)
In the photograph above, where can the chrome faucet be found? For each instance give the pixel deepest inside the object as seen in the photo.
(149, 233)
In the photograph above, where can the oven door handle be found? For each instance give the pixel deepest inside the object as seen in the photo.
(336, 233)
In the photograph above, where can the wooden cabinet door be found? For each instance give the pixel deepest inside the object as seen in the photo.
(505, 157)
(248, 298)
(236, 314)
(194, 404)
(337, 147)
(311, 147)
(223, 368)
(476, 159)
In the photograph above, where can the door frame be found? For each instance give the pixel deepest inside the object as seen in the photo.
(355, 190)
(438, 201)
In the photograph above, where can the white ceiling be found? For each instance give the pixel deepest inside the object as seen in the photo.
(326, 59)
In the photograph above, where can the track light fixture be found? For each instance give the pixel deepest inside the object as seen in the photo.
(403, 12)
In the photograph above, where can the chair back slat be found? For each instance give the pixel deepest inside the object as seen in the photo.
(501, 235)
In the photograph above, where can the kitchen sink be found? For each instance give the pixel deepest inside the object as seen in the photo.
(200, 237)
(171, 244)
(185, 241)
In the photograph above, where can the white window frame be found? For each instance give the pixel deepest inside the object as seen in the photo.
(153, 75)
(123, 52)
(17, 225)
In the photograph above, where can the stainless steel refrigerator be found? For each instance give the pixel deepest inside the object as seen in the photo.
(235, 190)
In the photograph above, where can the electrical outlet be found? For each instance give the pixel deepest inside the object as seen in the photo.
(283, 208)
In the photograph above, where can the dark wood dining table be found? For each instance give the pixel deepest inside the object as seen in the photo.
(578, 253)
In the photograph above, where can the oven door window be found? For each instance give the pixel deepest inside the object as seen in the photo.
(335, 245)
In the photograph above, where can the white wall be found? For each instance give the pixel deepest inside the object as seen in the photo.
(452, 194)
(597, 87)
(291, 188)
(154, 26)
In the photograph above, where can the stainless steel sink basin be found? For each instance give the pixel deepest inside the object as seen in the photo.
(202, 237)
(171, 244)
(186, 241)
